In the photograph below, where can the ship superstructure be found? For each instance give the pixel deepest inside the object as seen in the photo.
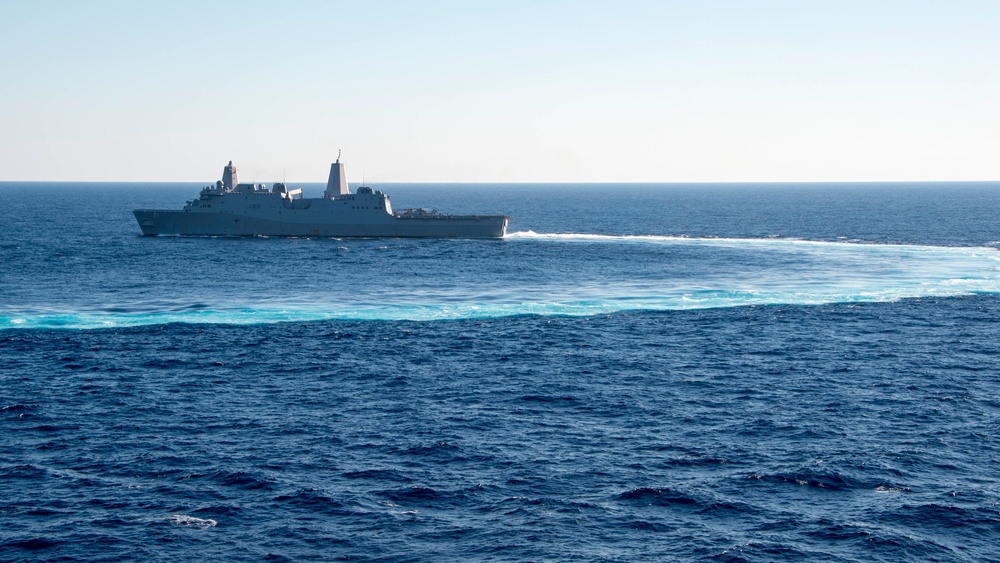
(233, 208)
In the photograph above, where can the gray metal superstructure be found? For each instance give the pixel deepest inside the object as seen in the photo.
(232, 208)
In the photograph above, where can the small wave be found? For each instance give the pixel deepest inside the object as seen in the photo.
(47, 428)
(412, 494)
(377, 475)
(656, 497)
(22, 472)
(891, 488)
(650, 526)
(243, 480)
(33, 544)
(200, 523)
(439, 449)
(813, 480)
(695, 461)
(547, 399)
(840, 532)
(316, 500)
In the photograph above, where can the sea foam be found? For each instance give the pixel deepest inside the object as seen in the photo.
(827, 272)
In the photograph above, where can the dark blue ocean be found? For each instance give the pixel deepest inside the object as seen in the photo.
(793, 372)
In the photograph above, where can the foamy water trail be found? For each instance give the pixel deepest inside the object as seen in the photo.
(747, 243)
(830, 272)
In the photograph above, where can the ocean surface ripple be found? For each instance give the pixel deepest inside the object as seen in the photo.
(818, 383)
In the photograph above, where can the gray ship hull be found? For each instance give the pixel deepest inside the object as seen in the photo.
(168, 222)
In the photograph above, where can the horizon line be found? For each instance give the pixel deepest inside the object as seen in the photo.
(531, 182)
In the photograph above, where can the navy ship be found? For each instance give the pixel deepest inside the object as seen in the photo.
(232, 208)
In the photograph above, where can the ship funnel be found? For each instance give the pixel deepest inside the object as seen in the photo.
(337, 184)
(229, 177)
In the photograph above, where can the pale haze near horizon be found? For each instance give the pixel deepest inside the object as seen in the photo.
(515, 91)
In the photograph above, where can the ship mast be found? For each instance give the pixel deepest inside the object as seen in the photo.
(337, 184)
(230, 179)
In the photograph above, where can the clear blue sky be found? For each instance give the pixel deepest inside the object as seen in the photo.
(511, 91)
